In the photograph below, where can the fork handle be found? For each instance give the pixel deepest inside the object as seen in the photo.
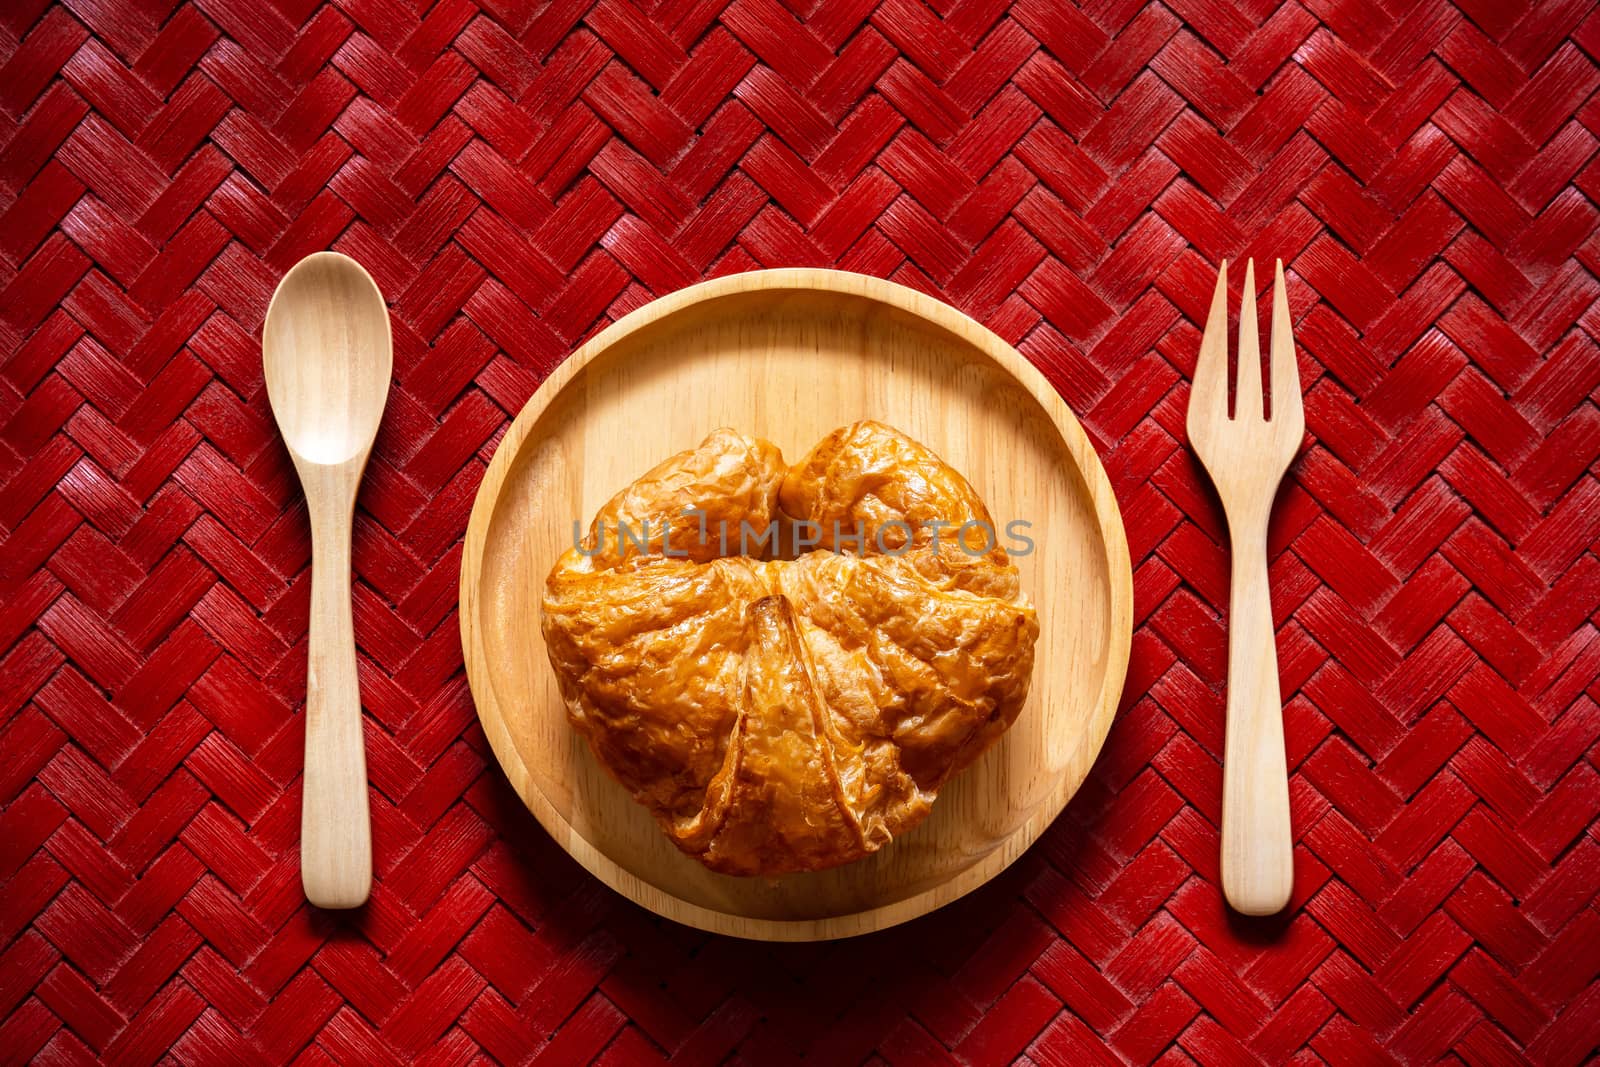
(1257, 850)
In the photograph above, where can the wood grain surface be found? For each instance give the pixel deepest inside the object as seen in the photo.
(789, 355)
(327, 359)
(1246, 453)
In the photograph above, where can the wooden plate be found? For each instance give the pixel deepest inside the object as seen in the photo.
(789, 355)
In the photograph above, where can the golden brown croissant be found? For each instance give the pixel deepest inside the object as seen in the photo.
(789, 714)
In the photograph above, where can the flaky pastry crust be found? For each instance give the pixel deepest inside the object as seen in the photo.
(790, 714)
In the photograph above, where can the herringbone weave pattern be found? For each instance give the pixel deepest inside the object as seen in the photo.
(515, 176)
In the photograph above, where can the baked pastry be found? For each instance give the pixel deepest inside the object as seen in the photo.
(780, 710)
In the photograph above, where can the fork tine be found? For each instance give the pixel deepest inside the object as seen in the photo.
(1286, 405)
(1209, 397)
(1247, 390)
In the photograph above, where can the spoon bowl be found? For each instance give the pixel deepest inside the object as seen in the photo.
(327, 355)
(328, 358)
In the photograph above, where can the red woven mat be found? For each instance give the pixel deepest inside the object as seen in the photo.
(516, 176)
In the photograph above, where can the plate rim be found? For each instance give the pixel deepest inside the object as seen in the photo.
(491, 717)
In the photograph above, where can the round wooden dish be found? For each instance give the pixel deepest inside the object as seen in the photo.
(789, 355)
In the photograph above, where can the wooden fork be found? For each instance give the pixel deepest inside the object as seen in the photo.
(1246, 456)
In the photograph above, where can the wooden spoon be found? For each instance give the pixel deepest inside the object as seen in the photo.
(328, 361)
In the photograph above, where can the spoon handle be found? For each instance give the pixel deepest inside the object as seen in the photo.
(335, 832)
